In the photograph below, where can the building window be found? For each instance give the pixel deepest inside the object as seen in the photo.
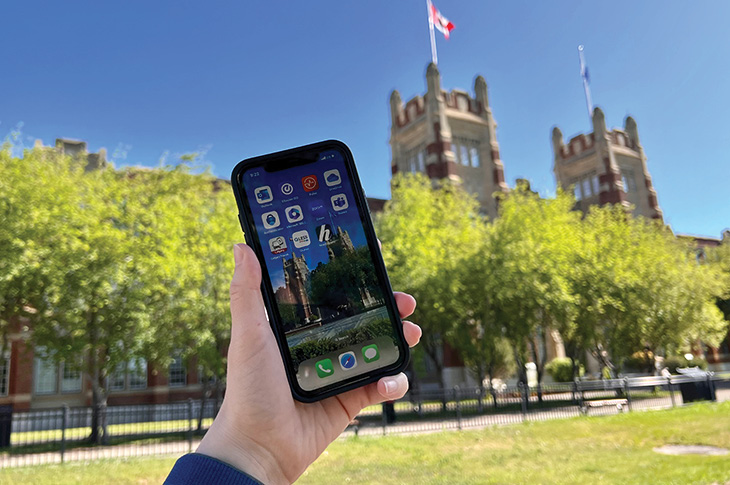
(586, 188)
(45, 374)
(466, 151)
(129, 376)
(421, 161)
(627, 177)
(576, 191)
(594, 181)
(117, 379)
(464, 154)
(178, 373)
(5, 373)
(474, 156)
(137, 372)
(70, 379)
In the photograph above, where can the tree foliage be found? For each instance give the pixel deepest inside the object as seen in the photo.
(111, 266)
(607, 283)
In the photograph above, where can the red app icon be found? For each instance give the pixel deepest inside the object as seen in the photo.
(310, 183)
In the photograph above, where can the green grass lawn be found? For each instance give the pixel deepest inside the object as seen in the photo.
(614, 449)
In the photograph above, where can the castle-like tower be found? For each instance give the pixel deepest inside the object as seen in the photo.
(449, 135)
(606, 167)
(296, 277)
(339, 244)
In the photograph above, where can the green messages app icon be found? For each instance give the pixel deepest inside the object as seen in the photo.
(370, 353)
(324, 368)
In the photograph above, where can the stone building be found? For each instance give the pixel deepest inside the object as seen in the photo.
(449, 135)
(296, 290)
(606, 167)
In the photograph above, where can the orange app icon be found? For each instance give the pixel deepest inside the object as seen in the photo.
(310, 183)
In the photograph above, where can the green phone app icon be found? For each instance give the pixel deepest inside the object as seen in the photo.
(324, 368)
(370, 353)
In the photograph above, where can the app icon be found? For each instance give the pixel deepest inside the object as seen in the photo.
(332, 177)
(310, 183)
(301, 239)
(277, 244)
(318, 208)
(324, 233)
(287, 188)
(370, 353)
(270, 219)
(339, 202)
(294, 213)
(324, 368)
(348, 361)
(263, 194)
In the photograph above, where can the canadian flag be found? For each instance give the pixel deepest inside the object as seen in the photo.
(441, 23)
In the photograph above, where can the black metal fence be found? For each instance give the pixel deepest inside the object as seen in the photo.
(63, 434)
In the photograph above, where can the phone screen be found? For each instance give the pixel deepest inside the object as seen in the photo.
(327, 292)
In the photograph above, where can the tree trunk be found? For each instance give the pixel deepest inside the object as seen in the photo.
(521, 371)
(490, 373)
(203, 400)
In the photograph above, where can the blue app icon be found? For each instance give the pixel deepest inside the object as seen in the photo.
(318, 208)
(348, 361)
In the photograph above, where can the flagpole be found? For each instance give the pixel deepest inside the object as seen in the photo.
(434, 55)
(584, 77)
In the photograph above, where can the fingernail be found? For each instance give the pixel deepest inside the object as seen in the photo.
(391, 384)
(237, 254)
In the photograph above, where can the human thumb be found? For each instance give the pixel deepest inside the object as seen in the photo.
(247, 306)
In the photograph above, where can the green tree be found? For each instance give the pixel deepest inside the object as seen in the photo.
(637, 288)
(428, 232)
(527, 259)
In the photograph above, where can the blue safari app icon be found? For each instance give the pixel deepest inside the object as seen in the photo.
(348, 360)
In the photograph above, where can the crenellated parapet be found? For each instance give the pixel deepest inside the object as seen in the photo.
(449, 135)
(606, 167)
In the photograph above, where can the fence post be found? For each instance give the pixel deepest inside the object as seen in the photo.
(711, 386)
(385, 419)
(671, 391)
(457, 398)
(578, 396)
(523, 397)
(628, 392)
(480, 397)
(64, 424)
(190, 425)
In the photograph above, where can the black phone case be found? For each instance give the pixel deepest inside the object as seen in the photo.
(267, 291)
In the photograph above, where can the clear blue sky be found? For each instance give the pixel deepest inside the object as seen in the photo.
(243, 78)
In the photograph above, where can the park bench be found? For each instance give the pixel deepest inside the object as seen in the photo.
(618, 403)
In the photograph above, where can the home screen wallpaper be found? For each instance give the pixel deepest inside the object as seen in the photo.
(327, 293)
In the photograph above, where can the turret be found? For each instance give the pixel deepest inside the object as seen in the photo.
(481, 92)
(396, 107)
(433, 80)
(632, 130)
(557, 141)
(599, 122)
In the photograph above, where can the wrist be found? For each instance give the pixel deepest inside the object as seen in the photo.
(223, 442)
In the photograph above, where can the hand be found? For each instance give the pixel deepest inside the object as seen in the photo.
(260, 428)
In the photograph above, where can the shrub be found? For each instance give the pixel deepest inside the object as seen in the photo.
(561, 369)
(641, 361)
(674, 361)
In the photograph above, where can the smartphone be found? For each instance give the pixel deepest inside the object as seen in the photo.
(327, 294)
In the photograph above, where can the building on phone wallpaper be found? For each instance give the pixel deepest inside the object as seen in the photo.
(295, 297)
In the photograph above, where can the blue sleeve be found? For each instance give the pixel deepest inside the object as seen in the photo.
(195, 469)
